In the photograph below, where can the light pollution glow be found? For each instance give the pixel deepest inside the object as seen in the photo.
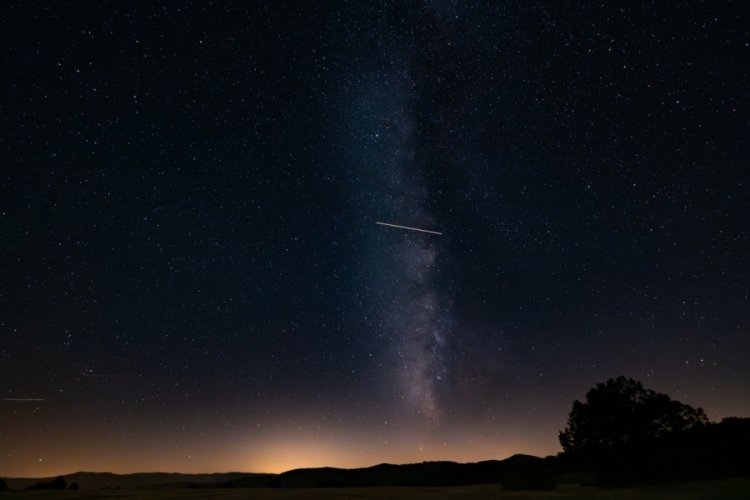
(297, 438)
(274, 449)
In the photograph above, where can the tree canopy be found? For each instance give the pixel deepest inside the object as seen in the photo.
(621, 411)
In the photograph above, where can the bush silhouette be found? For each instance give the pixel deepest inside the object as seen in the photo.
(56, 484)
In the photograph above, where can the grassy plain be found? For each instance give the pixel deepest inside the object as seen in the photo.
(714, 490)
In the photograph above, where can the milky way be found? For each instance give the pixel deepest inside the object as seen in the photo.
(418, 311)
(412, 308)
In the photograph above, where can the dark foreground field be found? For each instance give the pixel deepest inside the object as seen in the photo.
(723, 489)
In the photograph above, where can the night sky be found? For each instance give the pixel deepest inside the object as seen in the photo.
(191, 273)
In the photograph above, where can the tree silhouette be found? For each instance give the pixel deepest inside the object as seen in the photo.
(621, 411)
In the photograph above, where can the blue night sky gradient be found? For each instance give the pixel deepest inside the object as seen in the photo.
(191, 273)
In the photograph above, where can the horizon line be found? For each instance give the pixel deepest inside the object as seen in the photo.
(266, 472)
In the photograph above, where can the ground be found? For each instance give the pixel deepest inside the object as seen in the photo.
(714, 490)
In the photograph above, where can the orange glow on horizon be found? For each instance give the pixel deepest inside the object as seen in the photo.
(238, 444)
(275, 453)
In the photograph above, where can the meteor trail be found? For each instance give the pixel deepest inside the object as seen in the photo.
(24, 399)
(409, 228)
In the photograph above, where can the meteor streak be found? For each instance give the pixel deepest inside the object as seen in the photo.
(409, 228)
(24, 399)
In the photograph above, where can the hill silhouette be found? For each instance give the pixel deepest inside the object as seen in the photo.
(517, 472)
(102, 480)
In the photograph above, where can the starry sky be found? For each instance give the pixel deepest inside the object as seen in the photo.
(192, 277)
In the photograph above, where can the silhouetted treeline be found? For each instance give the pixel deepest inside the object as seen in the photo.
(705, 451)
(622, 411)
